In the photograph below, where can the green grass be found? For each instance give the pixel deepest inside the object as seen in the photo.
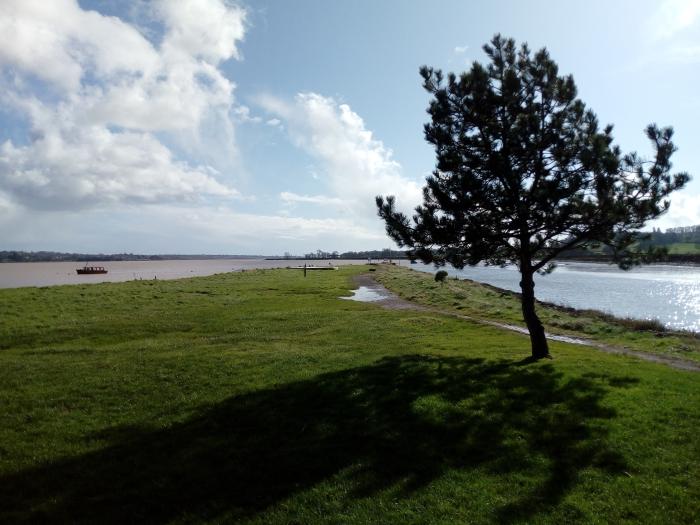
(684, 248)
(261, 397)
(486, 302)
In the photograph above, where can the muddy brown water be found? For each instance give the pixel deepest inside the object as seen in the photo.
(16, 275)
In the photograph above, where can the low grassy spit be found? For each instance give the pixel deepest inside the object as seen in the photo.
(261, 397)
(482, 301)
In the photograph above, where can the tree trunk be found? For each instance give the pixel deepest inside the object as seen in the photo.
(534, 326)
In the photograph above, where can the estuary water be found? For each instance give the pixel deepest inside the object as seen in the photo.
(16, 275)
(668, 293)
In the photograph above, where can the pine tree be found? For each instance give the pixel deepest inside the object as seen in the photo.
(524, 173)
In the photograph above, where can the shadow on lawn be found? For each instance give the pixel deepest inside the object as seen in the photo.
(400, 422)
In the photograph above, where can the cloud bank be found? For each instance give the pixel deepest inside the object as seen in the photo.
(103, 100)
(118, 132)
(675, 16)
(354, 166)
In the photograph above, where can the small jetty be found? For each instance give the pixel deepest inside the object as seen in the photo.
(312, 267)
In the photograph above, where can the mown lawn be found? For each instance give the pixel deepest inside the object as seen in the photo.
(261, 397)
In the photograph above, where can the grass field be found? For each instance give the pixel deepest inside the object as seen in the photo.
(684, 248)
(261, 397)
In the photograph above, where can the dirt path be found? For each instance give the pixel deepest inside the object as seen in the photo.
(388, 299)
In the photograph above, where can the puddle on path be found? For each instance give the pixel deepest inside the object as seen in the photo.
(365, 294)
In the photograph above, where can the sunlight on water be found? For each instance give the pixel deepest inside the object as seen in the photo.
(365, 295)
(668, 293)
(683, 303)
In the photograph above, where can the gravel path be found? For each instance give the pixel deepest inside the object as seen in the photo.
(388, 299)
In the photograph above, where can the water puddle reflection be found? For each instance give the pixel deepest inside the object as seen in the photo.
(365, 294)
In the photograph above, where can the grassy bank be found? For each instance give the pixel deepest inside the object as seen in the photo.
(683, 248)
(487, 302)
(261, 397)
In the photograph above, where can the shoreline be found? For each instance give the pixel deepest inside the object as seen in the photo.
(390, 300)
(671, 260)
(61, 273)
(668, 293)
(490, 304)
(653, 325)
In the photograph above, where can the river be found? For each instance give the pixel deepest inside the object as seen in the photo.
(16, 275)
(668, 293)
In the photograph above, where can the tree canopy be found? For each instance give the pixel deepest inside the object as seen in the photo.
(524, 172)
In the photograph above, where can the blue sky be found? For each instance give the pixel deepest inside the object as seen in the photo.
(268, 127)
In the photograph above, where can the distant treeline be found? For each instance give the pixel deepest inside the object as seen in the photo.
(19, 256)
(45, 256)
(375, 254)
(369, 254)
(684, 234)
(683, 245)
(683, 230)
(604, 255)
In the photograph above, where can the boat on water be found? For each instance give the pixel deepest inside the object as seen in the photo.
(85, 270)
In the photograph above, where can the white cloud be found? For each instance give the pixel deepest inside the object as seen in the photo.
(111, 168)
(7, 208)
(99, 95)
(242, 114)
(57, 41)
(289, 197)
(202, 29)
(264, 229)
(684, 211)
(674, 16)
(161, 228)
(460, 50)
(683, 54)
(353, 164)
(187, 83)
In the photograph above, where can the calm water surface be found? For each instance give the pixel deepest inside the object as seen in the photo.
(668, 293)
(15, 275)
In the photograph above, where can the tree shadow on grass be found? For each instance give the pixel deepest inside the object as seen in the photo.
(400, 422)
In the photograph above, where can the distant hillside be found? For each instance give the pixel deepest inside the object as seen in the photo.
(679, 241)
(682, 244)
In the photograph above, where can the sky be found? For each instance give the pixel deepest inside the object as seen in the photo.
(264, 127)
